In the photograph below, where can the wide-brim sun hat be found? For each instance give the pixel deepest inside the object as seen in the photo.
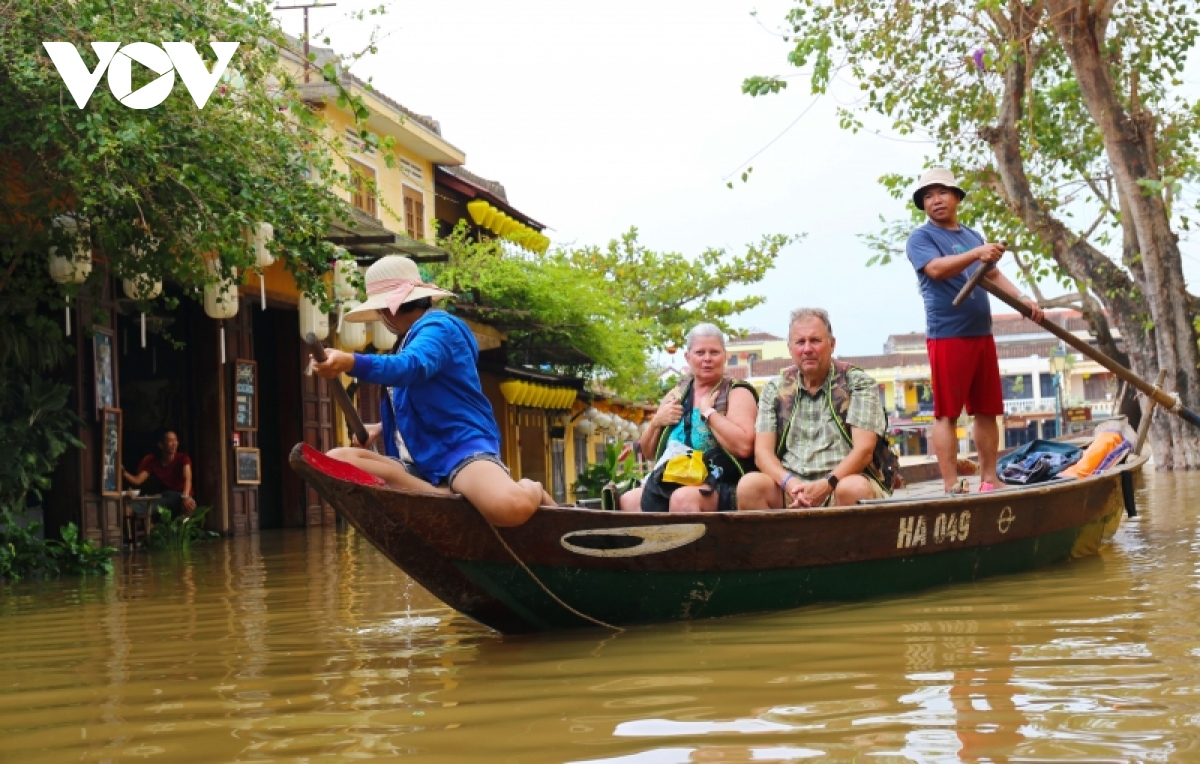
(937, 176)
(392, 281)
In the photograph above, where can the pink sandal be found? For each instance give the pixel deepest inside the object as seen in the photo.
(985, 487)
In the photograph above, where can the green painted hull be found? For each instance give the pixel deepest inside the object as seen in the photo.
(633, 597)
(623, 569)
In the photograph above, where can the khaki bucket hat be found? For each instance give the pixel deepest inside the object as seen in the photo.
(392, 281)
(937, 176)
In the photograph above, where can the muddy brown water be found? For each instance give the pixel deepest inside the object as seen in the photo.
(304, 646)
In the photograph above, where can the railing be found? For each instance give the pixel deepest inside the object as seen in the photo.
(1028, 405)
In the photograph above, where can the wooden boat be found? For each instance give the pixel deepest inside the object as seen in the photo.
(570, 567)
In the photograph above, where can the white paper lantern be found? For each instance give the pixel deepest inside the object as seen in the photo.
(74, 268)
(262, 235)
(221, 299)
(343, 285)
(141, 287)
(353, 335)
(313, 320)
(585, 427)
(382, 337)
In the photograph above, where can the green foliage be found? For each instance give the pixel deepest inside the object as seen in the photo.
(36, 428)
(176, 182)
(599, 312)
(23, 555)
(611, 470)
(178, 533)
(945, 71)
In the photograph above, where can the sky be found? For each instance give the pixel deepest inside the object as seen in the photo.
(601, 116)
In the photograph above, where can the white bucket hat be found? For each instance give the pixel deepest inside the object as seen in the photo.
(392, 281)
(937, 176)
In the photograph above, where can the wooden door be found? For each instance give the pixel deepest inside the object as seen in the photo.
(316, 406)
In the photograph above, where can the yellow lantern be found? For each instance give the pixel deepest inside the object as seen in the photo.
(510, 389)
(489, 217)
(478, 210)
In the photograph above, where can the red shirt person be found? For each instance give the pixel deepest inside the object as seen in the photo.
(962, 353)
(169, 472)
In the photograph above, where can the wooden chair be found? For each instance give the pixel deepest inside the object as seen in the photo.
(137, 525)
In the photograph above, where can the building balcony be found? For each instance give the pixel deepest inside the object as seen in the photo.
(1028, 405)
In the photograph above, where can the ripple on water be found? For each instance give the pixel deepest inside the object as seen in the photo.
(295, 645)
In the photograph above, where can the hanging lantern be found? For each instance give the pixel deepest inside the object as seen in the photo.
(221, 299)
(510, 389)
(313, 320)
(142, 288)
(490, 217)
(75, 267)
(382, 337)
(478, 210)
(353, 335)
(261, 235)
(343, 282)
(585, 427)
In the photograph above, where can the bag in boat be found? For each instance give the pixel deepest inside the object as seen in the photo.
(1036, 462)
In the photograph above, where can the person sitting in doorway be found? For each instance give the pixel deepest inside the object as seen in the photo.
(433, 404)
(817, 429)
(707, 412)
(167, 473)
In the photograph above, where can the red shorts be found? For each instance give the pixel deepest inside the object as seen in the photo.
(965, 372)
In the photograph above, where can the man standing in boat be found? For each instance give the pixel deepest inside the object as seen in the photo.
(819, 425)
(962, 353)
(433, 400)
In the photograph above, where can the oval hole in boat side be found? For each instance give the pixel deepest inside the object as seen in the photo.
(604, 541)
(632, 542)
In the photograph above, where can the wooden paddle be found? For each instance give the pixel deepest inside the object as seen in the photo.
(1156, 394)
(979, 275)
(339, 393)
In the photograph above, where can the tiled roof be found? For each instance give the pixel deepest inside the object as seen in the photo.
(887, 360)
(754, 337)
(493, 186)
(770, 367)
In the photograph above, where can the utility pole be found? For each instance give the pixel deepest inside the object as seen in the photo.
(305, 9)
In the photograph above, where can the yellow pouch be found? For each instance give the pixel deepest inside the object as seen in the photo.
(686, 469)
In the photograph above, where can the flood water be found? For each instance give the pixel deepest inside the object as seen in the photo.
(305, 645)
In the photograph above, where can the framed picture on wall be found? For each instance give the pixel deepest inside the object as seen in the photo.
(249, 466)
(245, 395)
(104, 360)
(110, 452)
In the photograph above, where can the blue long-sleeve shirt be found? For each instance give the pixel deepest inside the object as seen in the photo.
(439, 406)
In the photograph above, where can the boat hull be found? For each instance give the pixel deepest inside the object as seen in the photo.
(625, 569)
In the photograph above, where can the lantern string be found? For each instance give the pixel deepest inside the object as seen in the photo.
(68, 316)
(262, 287)
(143, 331)
(222, 343)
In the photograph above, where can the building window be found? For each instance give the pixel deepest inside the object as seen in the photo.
(1018, 387)
(362, 191)
(1097, 387)
(733, 360)
(414, 213)
(412, 170)
(1046, 382)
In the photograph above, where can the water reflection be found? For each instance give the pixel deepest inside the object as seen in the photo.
(301, 645)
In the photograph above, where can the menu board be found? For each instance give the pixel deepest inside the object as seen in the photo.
(245, 395)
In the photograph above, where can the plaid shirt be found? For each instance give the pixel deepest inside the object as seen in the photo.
(815, 444)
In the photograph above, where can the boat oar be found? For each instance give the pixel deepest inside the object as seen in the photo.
(1168, 401)
(980, 273)
(339, 393)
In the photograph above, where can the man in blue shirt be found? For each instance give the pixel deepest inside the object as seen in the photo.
(433, 408)
(962, 353)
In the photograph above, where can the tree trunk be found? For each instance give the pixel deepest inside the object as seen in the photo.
(1127, 142)
(1116, 289)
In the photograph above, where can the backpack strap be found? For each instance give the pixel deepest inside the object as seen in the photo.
(785, 406)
